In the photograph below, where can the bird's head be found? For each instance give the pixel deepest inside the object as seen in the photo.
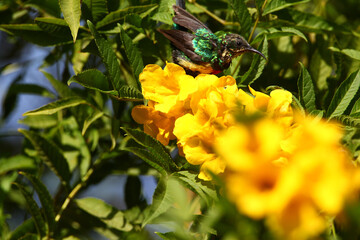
(237, 45)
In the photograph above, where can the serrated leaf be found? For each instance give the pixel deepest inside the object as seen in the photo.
(257, 65)
(15, 163)
(164, 13)
(39, 121)
(306, 90)
(63, 90)
(349, 120)
(127, 93)
(106, 213)
(242, 15)
(56, 106)
(109, 58)
(276, 5)
(50, 154)
(344, 95)
(34, 34)
(116, 16)
(97, 8)
(163, 199)
(134, 56)
(92, 79)
(46, 201)
(89, 120)
(204, 189)
(153, 146)
(150, 158)
(54, 26)
(34, 210)
(71, 10)
(355, 111)
(354, 54)
(272, 33)
(50, 6)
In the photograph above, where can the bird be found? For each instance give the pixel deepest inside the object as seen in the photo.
(203, 51)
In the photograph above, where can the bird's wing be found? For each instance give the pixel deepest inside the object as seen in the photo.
(185, 19)
(182, 41)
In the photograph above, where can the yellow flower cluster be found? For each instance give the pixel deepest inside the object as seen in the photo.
(284, 167)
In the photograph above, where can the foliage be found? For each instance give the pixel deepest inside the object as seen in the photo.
(86, 132)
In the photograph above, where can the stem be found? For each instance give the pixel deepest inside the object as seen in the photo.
(223, 22)
(252, 32)
(75, 190)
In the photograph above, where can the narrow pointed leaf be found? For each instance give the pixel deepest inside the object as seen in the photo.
(50, 154)
(54, 26)
(16, 163)
(354, 54)
(72, 12)
(108, 214)
(242, 15)
(257, 65)
(272, 33)
(306, 90)
(56, 106)
(134, 56)
(45, 199)
(344, 95)
(39, 121)
(63, 90)
(109, 58)
(34, 210)
(153, 146)
(28, 226)
(92, 118)
(92, 79)
(276, 5)
(116, 16)
(350, 121)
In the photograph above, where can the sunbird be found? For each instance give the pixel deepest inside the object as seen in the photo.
(202, 51)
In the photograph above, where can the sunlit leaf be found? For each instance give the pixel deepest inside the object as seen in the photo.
(34, 210)
(16, 163)
(50, 154)
(90, 119)
(164, 13)
(106, 213)
(272, 33)
(344, 95)
(276, 5)
(306, 90)
(71, 10)
(39, 121)
(56, 106)
(354, 54)
(134, 56)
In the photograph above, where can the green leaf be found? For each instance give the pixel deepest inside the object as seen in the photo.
(63, 90)
(355, 111)
(116, 16)
(50, 154)
(306, 90)
(56, 106)
(163, 199)
(153, 146)
(354, 54)
(92, 79)
(276, 5)
(34, 34)
(149, 157)
(79, 58)
(134, 56)
(49, 6)
(349, 120)
(90, 119)
(204, 189)
(71, 10)
(108, 214)
(54, 26)
(39, 121)
(242, 15)
(26, 227)
(272, 33)
(164, 13)
(97, 8)
(109, 58)
(344, 95)
(46, 201)
(34, 210)
(127, 93)
(257, 65)
(167, 236)
(15, 163)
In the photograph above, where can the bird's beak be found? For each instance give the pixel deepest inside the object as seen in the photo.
(251, 49)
